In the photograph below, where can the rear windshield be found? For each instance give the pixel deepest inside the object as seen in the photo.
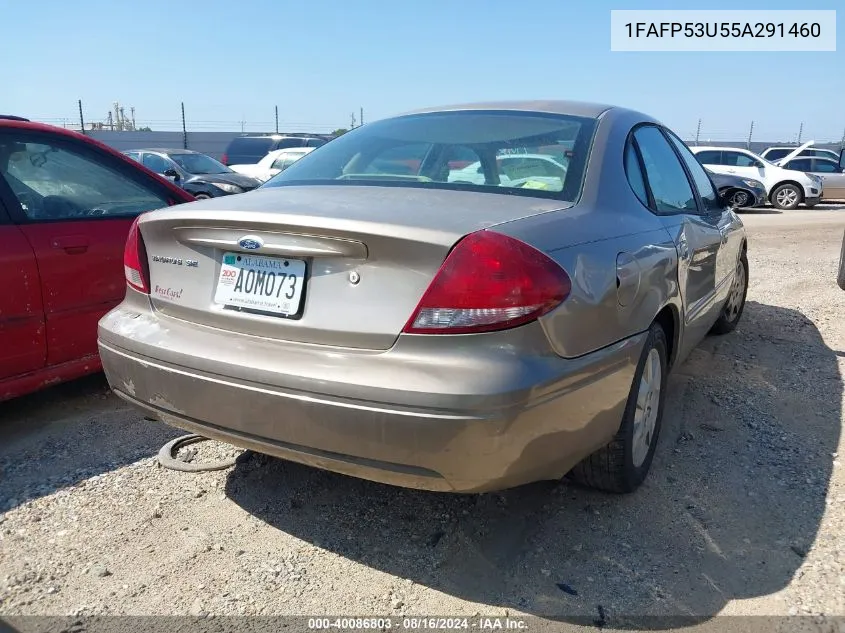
(505, 152)
(248, 145)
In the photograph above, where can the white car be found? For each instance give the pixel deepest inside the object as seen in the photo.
(776, 154)
(533, 170)
(275, 162)
(785, 188)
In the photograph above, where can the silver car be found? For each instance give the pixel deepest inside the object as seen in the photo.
(362, 314)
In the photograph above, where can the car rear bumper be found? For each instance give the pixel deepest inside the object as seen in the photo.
(437, 420)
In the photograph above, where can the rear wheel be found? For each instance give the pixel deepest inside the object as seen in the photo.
(622, 465)
(735, 304)
(739, 199)
(786, 197)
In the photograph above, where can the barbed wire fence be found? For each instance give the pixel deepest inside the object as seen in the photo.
(699, 132)
(123, 118)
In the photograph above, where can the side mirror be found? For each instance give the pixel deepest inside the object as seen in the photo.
(759, 165)
(173, 174)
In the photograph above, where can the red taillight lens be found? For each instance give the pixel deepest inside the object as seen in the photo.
(489, 282)
(224, 159)
(135, 260)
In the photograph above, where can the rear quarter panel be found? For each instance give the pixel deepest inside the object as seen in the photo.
(608, 225)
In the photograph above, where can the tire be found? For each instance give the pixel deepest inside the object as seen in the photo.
(735, 304)
(740, 198)
(202, 196)
(623, 464)
(786, 197)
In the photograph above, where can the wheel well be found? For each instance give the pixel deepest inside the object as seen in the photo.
(668, 320)
(788, 182)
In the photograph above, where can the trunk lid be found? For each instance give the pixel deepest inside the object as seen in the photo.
(368, 254)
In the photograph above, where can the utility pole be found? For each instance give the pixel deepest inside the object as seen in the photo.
(697, 131)
(800, 132)
(361, 118)
(750, 132)
(184, 129)
(243, 123)
(277, 119)
(81, 120)
(353, 121)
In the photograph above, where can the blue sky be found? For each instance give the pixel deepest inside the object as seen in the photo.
(321, 60)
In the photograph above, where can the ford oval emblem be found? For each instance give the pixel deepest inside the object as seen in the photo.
(251, 242)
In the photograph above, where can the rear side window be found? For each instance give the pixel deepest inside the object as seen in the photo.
(801, 164)
(709, 157)
(666, 177)
(825, 166)
(285, 143)
(315, 142)
(247, 145)
(635, 173)
(156, 163)
(737, 159)
(775, 154)
(702, 181)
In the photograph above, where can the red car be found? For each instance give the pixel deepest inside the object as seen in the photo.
(66, 205)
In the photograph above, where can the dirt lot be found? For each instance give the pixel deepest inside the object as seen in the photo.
(744, 511)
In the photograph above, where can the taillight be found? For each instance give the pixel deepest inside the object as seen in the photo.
(224, 159)
(135, 260)
(489, 282)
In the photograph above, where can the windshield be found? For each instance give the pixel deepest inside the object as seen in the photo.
(546, 154)
(199, 164)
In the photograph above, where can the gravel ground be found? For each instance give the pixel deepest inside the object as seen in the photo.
(743, 513)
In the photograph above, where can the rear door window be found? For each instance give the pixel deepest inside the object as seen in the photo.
(800, 164)
(156, 163)
(825, 166)
(666, 177)
(709, 157)
(706, 191)
(737, 159)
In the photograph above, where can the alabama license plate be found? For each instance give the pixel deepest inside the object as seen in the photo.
(265, 284)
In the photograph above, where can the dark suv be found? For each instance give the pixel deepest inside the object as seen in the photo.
(251, 148)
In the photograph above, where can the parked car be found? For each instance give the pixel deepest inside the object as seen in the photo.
(513, 169)
(830, 171)
(276, 161)
(196, 173)
(775, 154)
(432, 334)
(66, 205)
(785, 188)
(251, 148)
(739, 192)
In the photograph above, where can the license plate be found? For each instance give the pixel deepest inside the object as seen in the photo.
(265, 284)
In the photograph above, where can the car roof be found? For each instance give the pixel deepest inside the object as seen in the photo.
(717, 148)
(572, 108)
(164, 150)
(832, 160)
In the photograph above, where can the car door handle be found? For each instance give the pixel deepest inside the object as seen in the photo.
(71, 244)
